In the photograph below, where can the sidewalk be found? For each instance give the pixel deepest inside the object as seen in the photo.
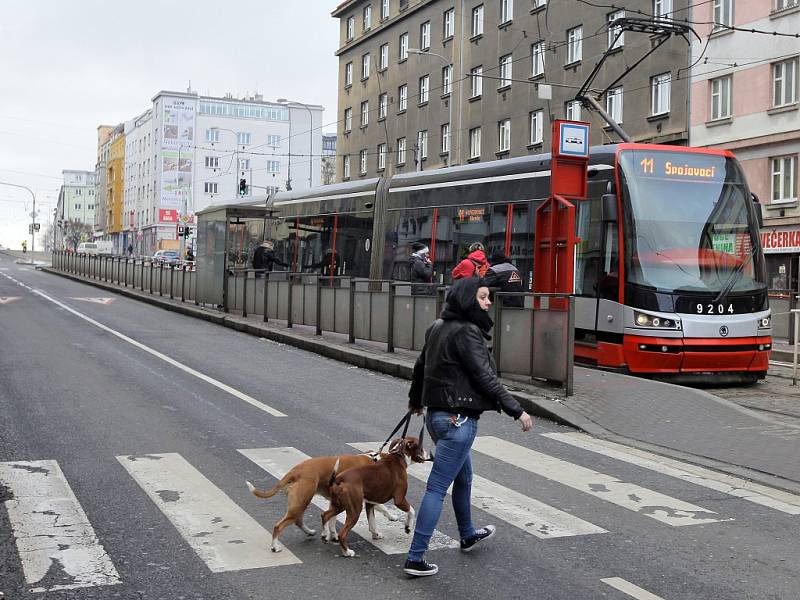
(681, 422)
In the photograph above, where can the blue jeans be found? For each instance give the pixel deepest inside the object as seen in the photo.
(452, 465)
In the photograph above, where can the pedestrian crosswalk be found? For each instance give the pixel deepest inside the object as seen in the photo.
(53, 533)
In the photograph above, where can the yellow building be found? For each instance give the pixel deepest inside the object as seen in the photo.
(115, 182)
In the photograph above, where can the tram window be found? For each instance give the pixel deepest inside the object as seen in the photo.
(608, 285)
(589, 250)
(522, 236)
(458, 228)
(403, 228)
(353, 233)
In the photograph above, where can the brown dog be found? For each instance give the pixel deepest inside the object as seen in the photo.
(373, 484)
(312, 476)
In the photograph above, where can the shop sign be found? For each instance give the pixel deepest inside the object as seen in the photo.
(470, 215)
(780, 240)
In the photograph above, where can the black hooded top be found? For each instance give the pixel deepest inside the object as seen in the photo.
(455, 371)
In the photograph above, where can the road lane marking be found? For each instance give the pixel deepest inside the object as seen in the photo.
(57, 545)
(8, 299)
(655, 505)
(626, 587)
(537, 518)
(728, 484)
(105, 301)
(226, 388)
(222, 534)
(278, 461)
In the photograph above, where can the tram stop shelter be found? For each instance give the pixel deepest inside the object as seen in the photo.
(227, 235)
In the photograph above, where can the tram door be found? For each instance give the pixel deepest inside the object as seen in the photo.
(588, 260)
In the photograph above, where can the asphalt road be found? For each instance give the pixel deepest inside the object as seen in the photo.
(127, 433)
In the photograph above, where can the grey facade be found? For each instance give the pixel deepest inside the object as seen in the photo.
(507, 107)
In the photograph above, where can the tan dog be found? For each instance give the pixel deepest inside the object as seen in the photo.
(373, 484)
(312, 476)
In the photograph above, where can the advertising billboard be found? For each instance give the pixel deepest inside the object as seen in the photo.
(177, 153)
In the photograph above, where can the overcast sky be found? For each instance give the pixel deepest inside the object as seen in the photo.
(69, 66)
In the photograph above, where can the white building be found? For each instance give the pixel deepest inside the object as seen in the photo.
(76, 205)
(190, 151)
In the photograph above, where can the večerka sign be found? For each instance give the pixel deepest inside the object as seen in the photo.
(780, 241)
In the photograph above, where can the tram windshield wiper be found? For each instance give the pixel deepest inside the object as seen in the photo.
(734, 277)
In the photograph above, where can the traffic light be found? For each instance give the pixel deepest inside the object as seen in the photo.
(243, 187)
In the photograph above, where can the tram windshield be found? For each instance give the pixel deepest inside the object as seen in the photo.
(689, 224)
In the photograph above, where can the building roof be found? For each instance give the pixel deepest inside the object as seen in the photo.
(343, 6)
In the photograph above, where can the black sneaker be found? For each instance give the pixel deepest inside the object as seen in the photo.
(484, 533)
(420, 568)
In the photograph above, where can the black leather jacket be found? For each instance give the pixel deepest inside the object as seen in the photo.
(456, 371)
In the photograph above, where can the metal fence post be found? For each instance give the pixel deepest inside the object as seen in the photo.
(498, 331)
(150, 287)
(570, 375)
(171, 281)
(351, 321)
(796, 315)
(266, 295)
(319, 305)
(289, 300)
(390, 319)
(244, 295)
(183, 283)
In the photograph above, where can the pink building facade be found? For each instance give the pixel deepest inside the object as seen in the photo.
(744, 98)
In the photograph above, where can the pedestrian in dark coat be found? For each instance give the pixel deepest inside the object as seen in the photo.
(264, 257)
(505, 276)
(456, 379)
(421, 270)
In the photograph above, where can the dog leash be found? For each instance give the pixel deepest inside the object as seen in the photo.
(406, 420)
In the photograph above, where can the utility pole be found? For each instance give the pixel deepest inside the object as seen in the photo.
(33, 212)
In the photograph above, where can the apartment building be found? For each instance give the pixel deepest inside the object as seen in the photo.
(430, 83)
(103, 150)
(745, 99)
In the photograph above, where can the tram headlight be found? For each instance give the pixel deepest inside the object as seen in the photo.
(765, 322)
(655, 322)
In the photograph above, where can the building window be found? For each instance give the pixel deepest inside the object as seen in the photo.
(273, 166)
(273, 140)
(244, 164)
(723, 13)
(573, 110)
(476, 79)
(422, 144)
(402, 97)
(477, 20)
(659, 93)
(424, 86)
(574, 45)
(537, 59)
(210, 187)
(401, 151)
(425, 35)
(384, 9)
(365, 113)
(348, 119)
(348, 74)
(212, 162)
(346, 167)
(784, 179)
(362, 162)
(448, 23)
(505, 70)
(383, 61)
(365, 66)
(367, 14)
(506, 11)
(381, 157)
(721, 97)
(504, 135)
(475, 142)
(243, 138)
(537, 127)
(212, 135)
(383, 105)
(615, 30)
(614, 104)
(662, 8)
(539, 3)
(351, 28)
(784, 4)
(447, 80)
(784, 82)
(403, 46)
(445, 135)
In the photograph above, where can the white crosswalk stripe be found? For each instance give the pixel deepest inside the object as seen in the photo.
(733, 486)
(52, 532)
(222, 534)
(655, 505)
(537, 518)
(278, 461)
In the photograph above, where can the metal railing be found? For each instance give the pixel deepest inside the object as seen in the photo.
(535, 340)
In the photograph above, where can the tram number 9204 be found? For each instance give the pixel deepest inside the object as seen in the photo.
(714, 309)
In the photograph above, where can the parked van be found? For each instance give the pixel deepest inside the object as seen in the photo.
(87, 248)
(105, 247)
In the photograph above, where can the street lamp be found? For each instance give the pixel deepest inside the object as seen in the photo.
(183, 216)
(33, 212)
(288, 104)
(449, 102)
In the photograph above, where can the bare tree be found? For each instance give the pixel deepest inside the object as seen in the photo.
(328, 170)
(76, 232)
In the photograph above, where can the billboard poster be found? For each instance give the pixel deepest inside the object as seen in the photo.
(177, 153)
(166, 215)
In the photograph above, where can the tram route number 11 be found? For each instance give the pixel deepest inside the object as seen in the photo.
(711, 309)
(648, 165)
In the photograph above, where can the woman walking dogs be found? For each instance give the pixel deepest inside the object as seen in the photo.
(455, 378)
